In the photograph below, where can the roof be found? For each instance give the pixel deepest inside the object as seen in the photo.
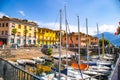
(25, 21)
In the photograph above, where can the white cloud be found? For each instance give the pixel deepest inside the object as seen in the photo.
(3, 14)
(74, 28)
(21, 12)
(107, 28)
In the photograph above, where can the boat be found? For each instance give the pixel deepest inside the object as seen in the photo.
(99, 70)
(74, 74)
(108, 57)
(100, 67)
(81, 67)
(104, 63)
(95, 57)
(90, 63)
(12, 62)
(26, 61)
(91, 72)
(38, 60)
(21, 62)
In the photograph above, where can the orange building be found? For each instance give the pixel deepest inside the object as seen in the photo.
(72, 38)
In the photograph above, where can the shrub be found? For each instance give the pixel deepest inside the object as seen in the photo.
(49, 51)
(39, 71)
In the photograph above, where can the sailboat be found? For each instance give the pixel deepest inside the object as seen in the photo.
(90, 63)
(76, 71)
(70, 69)
(102, 61)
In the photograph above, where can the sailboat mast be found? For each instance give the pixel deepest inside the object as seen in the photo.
(87, 38)
(60, 42)
(103, 46)
(66, 37)
(98, 40)
(78, 41)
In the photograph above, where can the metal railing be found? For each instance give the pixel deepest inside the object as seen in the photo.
(114, 74)
(10, 71)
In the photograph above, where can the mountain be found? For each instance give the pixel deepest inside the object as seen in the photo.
(114, 39)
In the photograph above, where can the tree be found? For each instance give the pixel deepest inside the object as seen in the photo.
(35, 32)
(49, 51)
(14, 31)
(25, 33)
(106, 42)
(117, 30)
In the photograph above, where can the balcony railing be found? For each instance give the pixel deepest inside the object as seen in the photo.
(9, 71)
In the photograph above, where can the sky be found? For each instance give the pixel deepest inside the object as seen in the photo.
(46, 13)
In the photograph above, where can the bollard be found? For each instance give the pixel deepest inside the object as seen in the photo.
(15, 46)
(3, 47)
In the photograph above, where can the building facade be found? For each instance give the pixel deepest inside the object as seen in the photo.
(72, 39)
(20, 37)
(21, 32)
(48, 36)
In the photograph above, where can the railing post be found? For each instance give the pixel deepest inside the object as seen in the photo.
(118, 71)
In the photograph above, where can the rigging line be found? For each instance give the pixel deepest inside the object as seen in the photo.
(74, 48)
(56, 19)
(54, 23)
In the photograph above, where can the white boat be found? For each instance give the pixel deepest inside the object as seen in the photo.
(91, 72)
(100, 67)
(38, 60)
(26, 61)
(21, 62)
(95, 57)
(103, 62)
(12, 62)
(30, 62)
(108, 57)
(75, 75)
(101, 70)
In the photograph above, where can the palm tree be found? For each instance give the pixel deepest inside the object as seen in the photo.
(25, 34)
(35, 32)
(14, 31)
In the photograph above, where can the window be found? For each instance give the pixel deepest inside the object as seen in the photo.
(13, 25)
(29, 34)
(6, 32)
(6, 24)
(34, 41)
(19, 26)
(29, 42)
(25, 27)
(2, 24)
(30, 28)
(12, 40)
(2, 32)
(24, 41)
(76, 38)
(19, 33)
(18, 41)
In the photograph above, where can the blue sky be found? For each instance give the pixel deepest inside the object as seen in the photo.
(46, 13)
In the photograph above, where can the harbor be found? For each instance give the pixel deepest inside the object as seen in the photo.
(60, 40)
(29, 68)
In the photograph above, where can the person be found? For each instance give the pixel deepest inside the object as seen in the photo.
(4, 69)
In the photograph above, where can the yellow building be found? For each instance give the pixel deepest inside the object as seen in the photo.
(20, 38)
(47, 36)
